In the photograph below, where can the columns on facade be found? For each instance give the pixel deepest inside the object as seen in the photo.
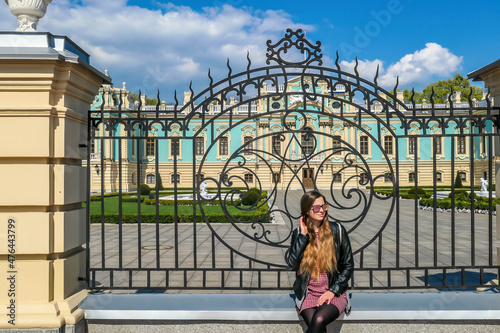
(44, 99)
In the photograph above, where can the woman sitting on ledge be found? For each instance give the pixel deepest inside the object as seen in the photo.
(321, 254)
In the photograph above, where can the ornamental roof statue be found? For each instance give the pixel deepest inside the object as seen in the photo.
(28, 12)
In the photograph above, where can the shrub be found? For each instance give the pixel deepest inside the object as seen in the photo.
(420, 190)
(144, 189)
(251, 197)
(458, 181)
(461, 195)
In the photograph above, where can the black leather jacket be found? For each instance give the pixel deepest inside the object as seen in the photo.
(337, 281)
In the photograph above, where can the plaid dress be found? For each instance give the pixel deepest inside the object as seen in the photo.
(318, 287)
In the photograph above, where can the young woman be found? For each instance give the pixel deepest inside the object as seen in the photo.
(321, 254)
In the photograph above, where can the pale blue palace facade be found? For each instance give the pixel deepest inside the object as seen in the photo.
(276, 152)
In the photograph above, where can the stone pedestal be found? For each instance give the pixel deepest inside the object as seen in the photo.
(46, 87)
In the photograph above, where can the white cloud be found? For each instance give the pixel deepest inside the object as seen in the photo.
(418, 67)
(165, 48)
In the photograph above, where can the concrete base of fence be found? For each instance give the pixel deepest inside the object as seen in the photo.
(371, 312)
(294, 327)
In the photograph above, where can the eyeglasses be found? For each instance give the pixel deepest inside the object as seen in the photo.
(316, 208)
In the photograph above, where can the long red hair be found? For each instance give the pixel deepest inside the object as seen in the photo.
(320, 258)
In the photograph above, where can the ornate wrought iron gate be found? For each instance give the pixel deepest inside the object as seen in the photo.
(283, 128)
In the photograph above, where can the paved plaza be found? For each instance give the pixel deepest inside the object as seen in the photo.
(223, 246)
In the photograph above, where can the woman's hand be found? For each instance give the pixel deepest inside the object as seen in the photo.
(326, 297)
(303, 227)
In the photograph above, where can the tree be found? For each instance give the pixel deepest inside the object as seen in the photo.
(160, 183)
(443, 88)
(458, 181)
(135, 97)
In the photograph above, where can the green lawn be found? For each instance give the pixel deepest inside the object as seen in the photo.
(111, 206)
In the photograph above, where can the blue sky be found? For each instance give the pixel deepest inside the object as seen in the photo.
(163, 45)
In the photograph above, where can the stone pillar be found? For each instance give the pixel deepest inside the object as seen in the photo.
(46, 87)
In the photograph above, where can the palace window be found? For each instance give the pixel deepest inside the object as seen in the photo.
(461, 145)
(175, 178)
(248, 178)
(133, 143)
(411, 177)
(248, 145)
(387, 177)
(92, 146)
(337, 178)
(150, 147)
(307, 142)
(363, 178)
(412, 144)
(438, 139)
(463, 175)
(276, 177)
(336, 144)
(388, 145)
(200, 177)
(439, 177)
(150, 178)
(175, 147)
(133, 179)
(276, 145)
(200, 146)
(363, 145)
(223, 146)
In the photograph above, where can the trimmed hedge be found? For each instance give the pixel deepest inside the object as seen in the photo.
(131, 199)
(460, 204)
(187, 202)
(185, 218)
(98, 197)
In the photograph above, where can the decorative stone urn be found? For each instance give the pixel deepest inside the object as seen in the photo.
(28, 12)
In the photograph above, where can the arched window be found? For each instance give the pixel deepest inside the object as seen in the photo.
(307, 142)
(150, 147)
(276, 177)
(276, 144)
(175, 178)
(387, 177)
(439, 177)
(200, 146)
(411, 177)
(363, 145)
(337, 178)
(248, 178)
(463, 176)
(461, 145)
(388, 145)
(248, 145)
(223, 146)
(363, 178)
(150, 178)
(336, 144)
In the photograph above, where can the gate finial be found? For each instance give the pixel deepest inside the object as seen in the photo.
(298, 40)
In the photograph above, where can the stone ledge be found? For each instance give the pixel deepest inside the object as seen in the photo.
(366, 307)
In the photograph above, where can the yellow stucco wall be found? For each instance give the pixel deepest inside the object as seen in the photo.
(43, 109)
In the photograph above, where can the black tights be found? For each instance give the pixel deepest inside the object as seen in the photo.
(319, 317)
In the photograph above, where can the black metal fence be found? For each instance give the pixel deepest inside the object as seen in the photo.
(360, 144)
